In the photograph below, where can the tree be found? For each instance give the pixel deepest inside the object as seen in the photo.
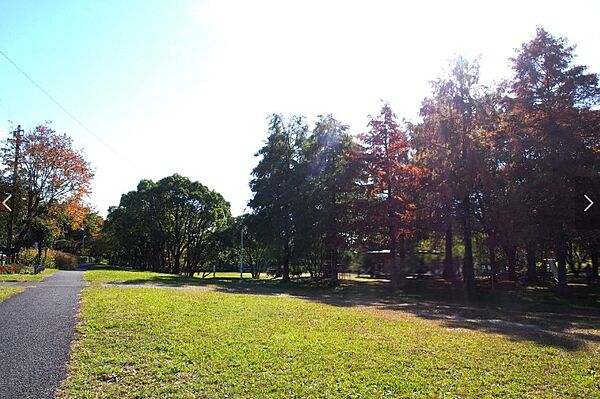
(256, 251)
(171, 225)
(446, 146)
(75, 224)
(277, 204)
(551, 120)
(330, 181)
(392, 181)
(51, 173)
(434, 153)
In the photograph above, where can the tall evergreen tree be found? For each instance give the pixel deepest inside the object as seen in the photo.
(277, 203)
(551, 117)
(445, 144)
(331, 179)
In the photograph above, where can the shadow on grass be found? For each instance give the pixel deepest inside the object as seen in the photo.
(521, 314)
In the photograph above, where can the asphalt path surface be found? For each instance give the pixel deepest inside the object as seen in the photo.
(36, 329)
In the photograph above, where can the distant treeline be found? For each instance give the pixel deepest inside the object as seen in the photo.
(488, 174)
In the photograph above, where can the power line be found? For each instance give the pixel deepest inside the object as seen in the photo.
(87, 129)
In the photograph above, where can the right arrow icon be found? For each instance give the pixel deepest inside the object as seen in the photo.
(590, 204)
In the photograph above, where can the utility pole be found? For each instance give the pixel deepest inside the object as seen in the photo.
(11, 215)
(241, 253)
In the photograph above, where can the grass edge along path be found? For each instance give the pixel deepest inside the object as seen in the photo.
(6, 291)
(20, 277)
(145, 342)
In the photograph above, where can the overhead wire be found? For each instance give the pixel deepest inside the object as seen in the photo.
(66, 111)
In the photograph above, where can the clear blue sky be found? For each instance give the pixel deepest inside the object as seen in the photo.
(186, 86)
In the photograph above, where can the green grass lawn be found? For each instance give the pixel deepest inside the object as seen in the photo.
(7, 292)
(111, 274)
(164, 343)
(418, 291)
(26, 276)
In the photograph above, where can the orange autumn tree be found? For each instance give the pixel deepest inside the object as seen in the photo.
(64, 226)
(75, 220)
(73, 212)
(52, 173)
(392, 180)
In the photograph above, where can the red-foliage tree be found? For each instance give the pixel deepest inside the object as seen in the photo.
(51, 172)
(551, 121)
(392, 181)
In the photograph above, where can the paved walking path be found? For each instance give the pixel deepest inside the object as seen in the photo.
(36, 329)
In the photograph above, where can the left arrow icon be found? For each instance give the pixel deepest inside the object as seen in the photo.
(590, 204)
(5, 203)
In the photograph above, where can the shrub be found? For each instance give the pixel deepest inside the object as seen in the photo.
(50, 258)
(64, 260)
(29, 257)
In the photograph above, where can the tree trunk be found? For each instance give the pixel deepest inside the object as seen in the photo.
(398, 255)
(333, 235)
(286, 263)
(334, 268)
(512, 263)
(177, 264)
(571, 259)
(561, 258)
(531, 272)
(401, 260)
(26, 230)
(394, 263)
(45, 256)
(40, 260)
(468, 272)
(594, 256)
(493, 265)
(449, 273)
(256, 269)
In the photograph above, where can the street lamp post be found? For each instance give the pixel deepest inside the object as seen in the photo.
(241, 253)
(83, 246)
(242, 246)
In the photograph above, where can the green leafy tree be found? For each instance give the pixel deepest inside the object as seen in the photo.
(277, 204)
(446, 145)
(171, 225)
(330, 187)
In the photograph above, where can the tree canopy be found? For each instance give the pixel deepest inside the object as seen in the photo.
(171, 225)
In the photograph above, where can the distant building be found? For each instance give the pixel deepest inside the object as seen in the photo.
(424, 262)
